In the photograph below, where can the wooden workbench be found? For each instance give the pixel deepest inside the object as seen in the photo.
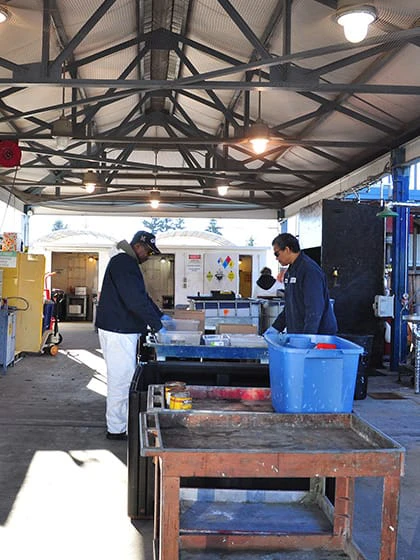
(266, 445)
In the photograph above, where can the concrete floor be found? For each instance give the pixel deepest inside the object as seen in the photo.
(63, 484)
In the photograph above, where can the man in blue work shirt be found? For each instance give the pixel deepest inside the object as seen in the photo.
(307, 307)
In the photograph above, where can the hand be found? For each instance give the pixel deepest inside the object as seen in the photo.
(271, 331)
(166, 318)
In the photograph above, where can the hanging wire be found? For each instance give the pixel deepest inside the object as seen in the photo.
(9, 198)
(63, 93)
(155, 170)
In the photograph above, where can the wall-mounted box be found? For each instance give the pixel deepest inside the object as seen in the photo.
(384, 306)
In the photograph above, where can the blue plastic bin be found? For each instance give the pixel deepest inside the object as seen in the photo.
(48, 310)
(306, 379)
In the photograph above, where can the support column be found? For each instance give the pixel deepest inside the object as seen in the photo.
(399, 275)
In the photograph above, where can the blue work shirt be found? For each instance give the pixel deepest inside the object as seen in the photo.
(307, 307)
(124, 304)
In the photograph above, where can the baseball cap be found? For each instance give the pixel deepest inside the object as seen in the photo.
(147, 239)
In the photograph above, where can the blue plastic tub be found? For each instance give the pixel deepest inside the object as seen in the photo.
(48, 310)
(307, 379)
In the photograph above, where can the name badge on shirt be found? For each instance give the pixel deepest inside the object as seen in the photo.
(292, 280)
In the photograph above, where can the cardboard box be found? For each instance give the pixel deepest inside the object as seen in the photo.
(222, 328)
(191, 314)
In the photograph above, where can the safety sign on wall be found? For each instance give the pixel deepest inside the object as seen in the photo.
(194, 263)
(220, 272)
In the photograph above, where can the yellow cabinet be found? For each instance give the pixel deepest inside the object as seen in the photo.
(25, 279)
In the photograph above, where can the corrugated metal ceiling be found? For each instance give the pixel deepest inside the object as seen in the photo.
(176, 82)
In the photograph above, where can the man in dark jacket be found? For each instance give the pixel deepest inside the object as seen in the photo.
(125, 311)
(307, 307)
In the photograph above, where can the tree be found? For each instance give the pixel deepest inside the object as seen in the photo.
(251, 242)
(163, 224)
(58, 224)
(213, 227)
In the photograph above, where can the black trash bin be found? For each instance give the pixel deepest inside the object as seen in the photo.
(366, 342)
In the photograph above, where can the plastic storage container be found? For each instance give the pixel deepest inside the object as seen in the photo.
(247, 340)
(216, 340)
(305, 378)
(181, 338)
(181, 325)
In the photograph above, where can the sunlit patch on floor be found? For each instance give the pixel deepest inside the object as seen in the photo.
(66, 493)
(94, 362)
(386, 396)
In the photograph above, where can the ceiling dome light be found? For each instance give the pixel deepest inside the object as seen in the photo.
(356, 20)
(90, 181)
(258, 136)
(4, 14)
(154, 199)
(62, 131)
(222, 186)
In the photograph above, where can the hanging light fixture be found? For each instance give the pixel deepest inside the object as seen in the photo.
(222, 186)
(154, 199)
(4, 14)
(62, 131)
(387, 212)
(90, 181)
(259, 133)
(62, 128)
(155, 193)
(355, 19)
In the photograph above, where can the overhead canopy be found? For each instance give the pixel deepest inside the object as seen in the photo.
(164, 95)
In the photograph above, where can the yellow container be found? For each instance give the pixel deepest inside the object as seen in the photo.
(173, 386)
(181, 401)
(24, 279)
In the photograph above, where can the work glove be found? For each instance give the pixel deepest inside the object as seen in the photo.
(166, 318)
(168, 322)
(158, 335)
(271, 331)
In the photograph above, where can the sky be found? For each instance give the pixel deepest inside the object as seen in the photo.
(238, 231)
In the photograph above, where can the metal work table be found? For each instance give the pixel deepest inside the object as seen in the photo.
(415, 319)
(141, 475)
(204, 352)
(233, 444)
(241, 399)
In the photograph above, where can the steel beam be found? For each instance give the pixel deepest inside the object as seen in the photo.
(399, 275)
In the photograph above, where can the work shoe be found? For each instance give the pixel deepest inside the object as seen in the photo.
(110, 435)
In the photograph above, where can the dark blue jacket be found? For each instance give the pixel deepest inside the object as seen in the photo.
(124, 305)
(307, 306)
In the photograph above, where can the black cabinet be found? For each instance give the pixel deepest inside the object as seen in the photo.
(76, 307)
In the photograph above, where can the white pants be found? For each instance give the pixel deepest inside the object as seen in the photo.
(120, 352)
